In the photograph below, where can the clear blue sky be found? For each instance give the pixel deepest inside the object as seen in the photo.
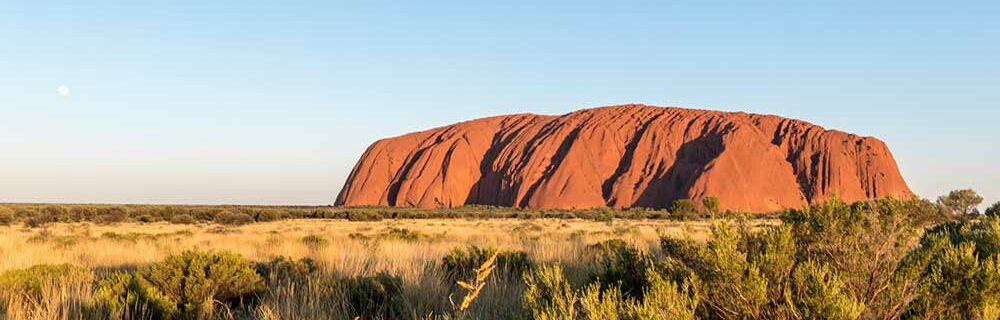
(273, 102)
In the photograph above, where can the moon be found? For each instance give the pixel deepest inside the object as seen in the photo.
(63, 90)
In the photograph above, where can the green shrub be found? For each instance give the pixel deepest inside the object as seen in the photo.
(362, 215)
(874, 236)
(233, 218)
(195, 282)
(109, 215)
(623, 267)
(683, 209)
(597, 304)
(269, 215)
(993, 211)
(128, 296)
(359, 236)
(734, 286)
(204, 214)
(711, 205)
(460, 262)
(839, 261)
(182, 219)
(287, 270)
(547, 295)
(820, 294)
(606, 215)
(394, 233)
(36, 222)
(66, 241)
(82, 213)
(959, 276)
(664, 299)
(685, 251)
(6, 216)
(375, 297)
(314, 241)
(33, 280)
(125, 237)
(56, 214)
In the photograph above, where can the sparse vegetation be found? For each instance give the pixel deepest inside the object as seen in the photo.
(993, 211)
(885, 259)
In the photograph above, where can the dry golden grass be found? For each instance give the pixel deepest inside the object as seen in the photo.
(545, 240)
(410, 249)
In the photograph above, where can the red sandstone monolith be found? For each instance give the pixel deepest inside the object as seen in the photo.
(624, 156)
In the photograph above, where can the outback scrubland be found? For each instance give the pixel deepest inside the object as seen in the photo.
(881, 259)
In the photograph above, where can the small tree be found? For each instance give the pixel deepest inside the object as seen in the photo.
(6, 216)
(711, 205)
(684, 209)
(993, 211)
(607, 215)
(183, 218)
(233, 218)
(961, 202)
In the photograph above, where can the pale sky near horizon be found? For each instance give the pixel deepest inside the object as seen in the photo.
(256, 102)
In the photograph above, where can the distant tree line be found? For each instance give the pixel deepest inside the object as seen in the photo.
(958, 204)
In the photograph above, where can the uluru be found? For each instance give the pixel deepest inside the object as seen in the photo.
(624, 156)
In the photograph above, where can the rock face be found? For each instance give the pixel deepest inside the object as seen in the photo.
(624, 156)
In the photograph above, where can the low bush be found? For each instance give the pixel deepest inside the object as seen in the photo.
(125, 237)
(287, 270)
(36, 222)
(129, 296)
(606, 215)
(374, 297)
(394, 233)
(315, 242)
(182, 219)
(958, 271)
(56, 213)
(621, 266)
(233, 218)
(32, 281)
(269, 215)
(841, 261)
(110, 215)
(684, 209)
(362, 215)
(993, 211)
(547, 295)
(460, 262)
(188, 285)
(711, 205)
(7, 216)
(820, 293)
(47, 292)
